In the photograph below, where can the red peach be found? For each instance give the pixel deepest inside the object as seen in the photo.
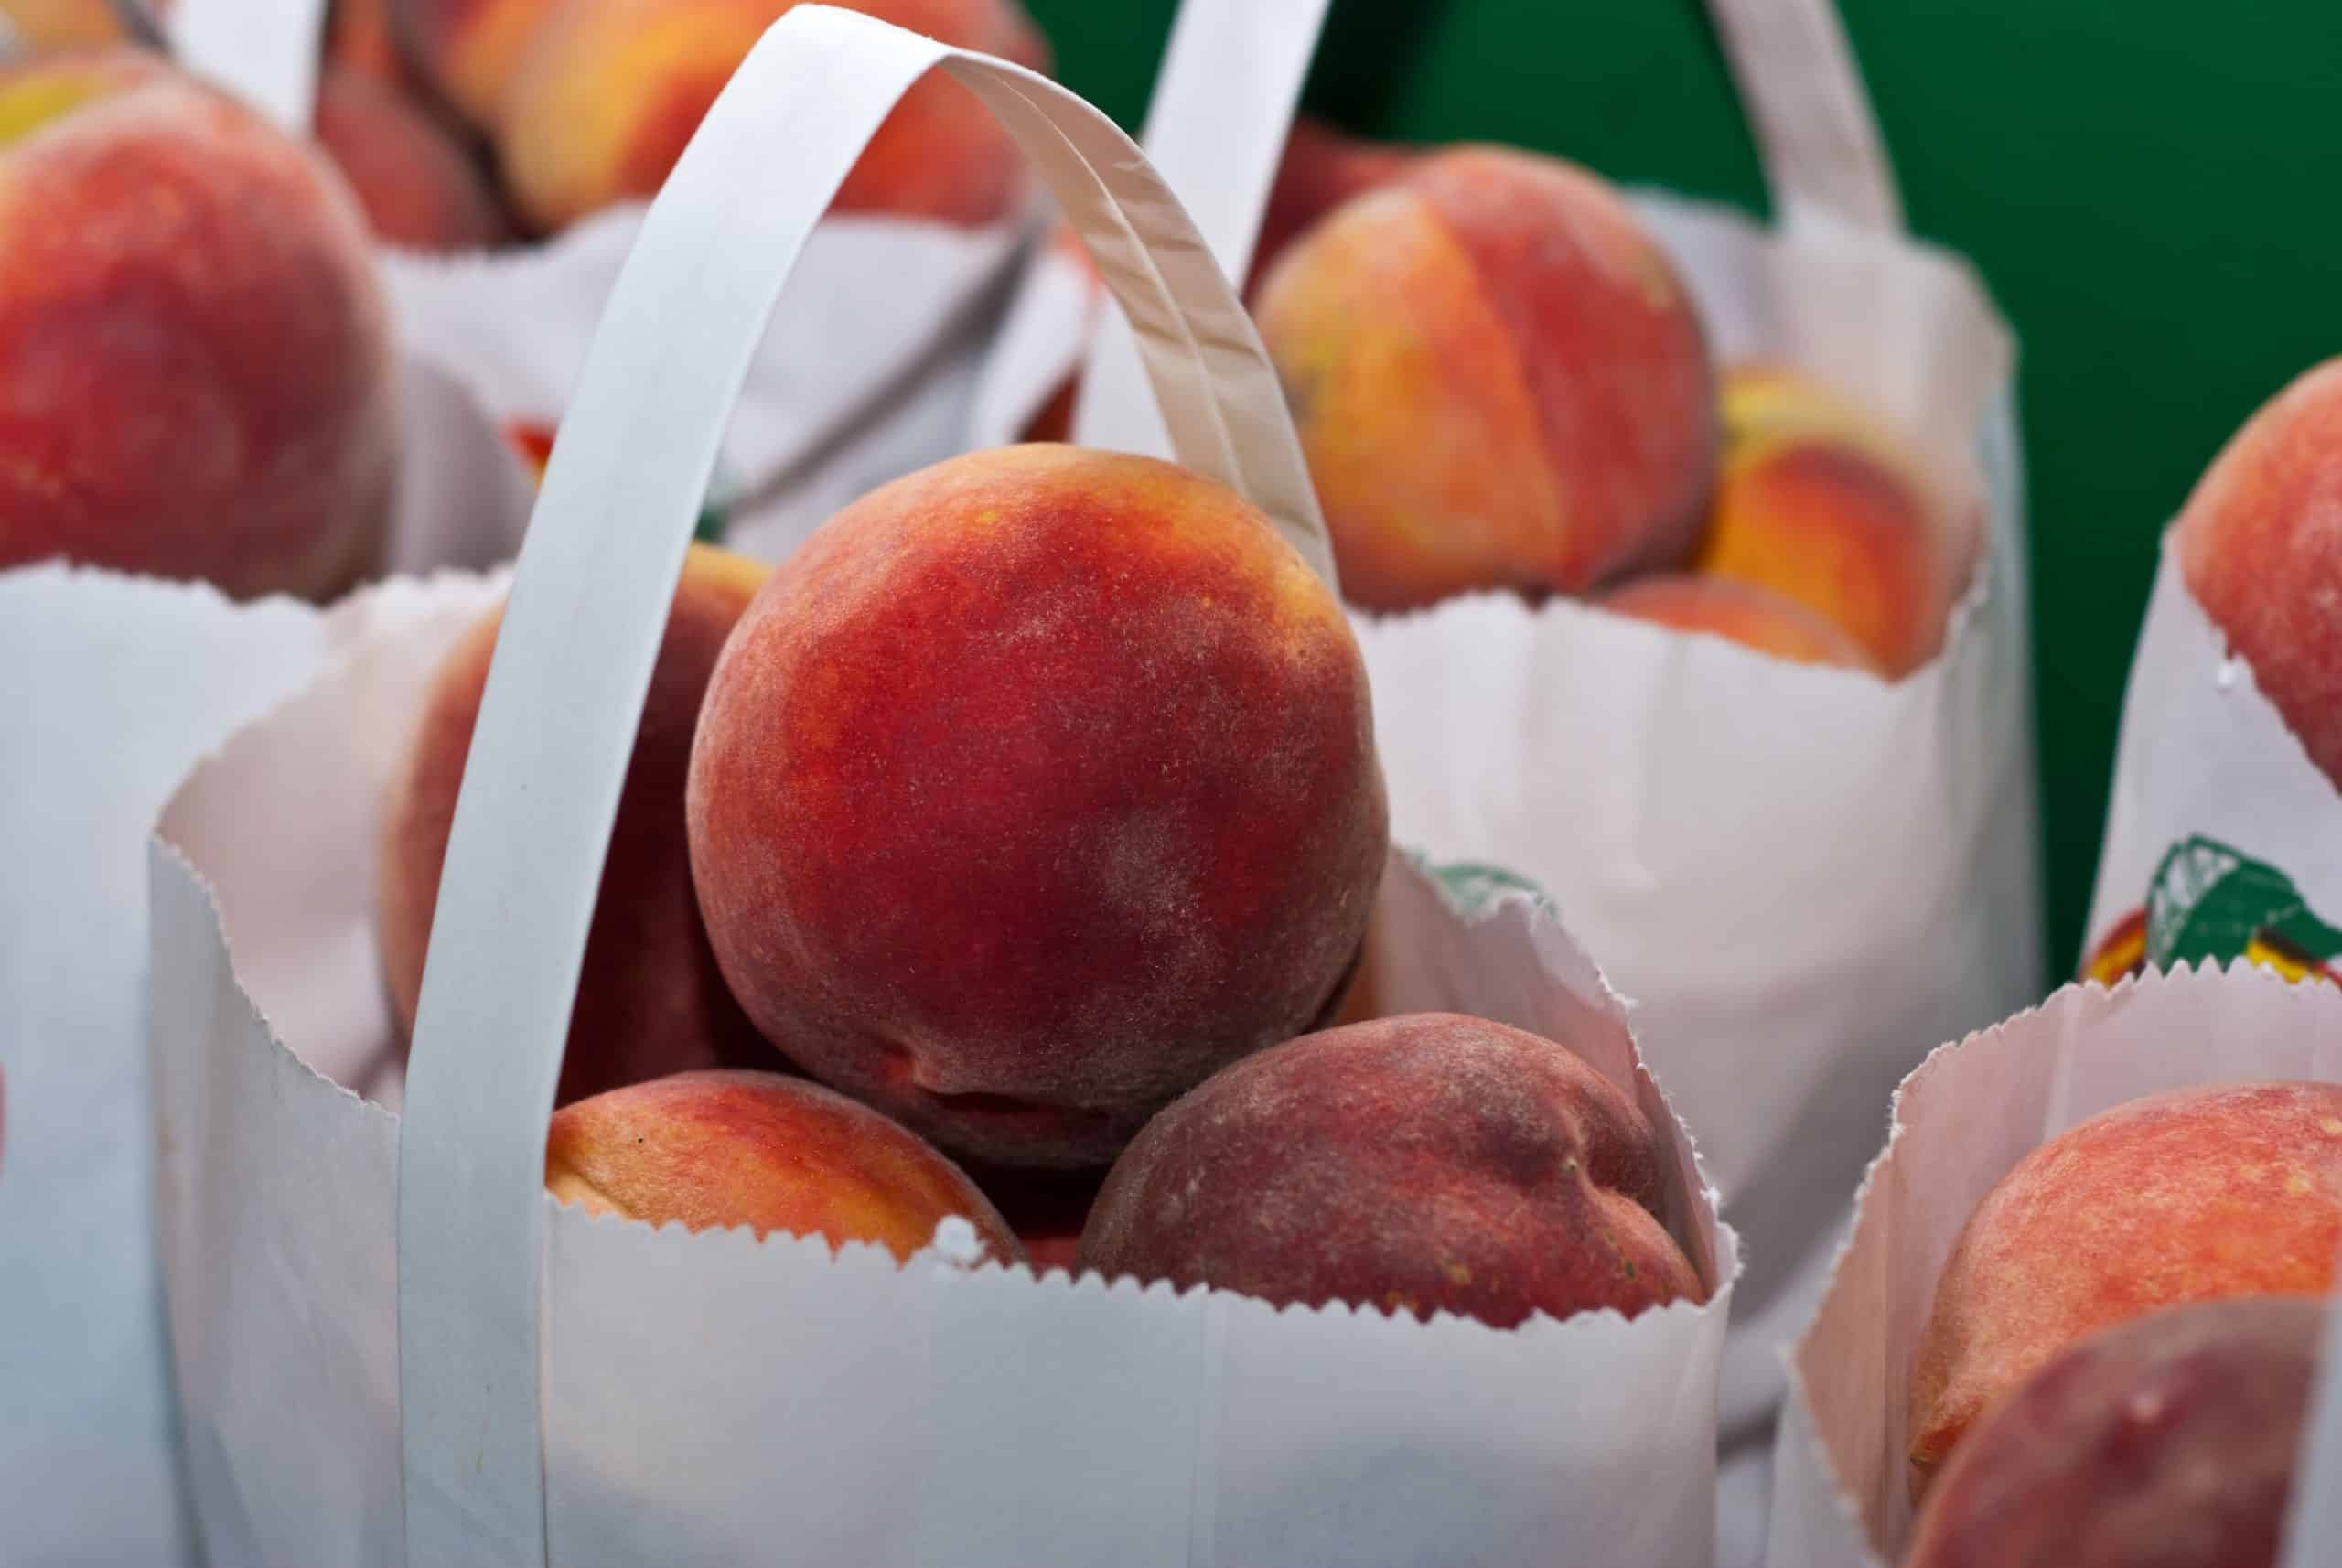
(609, 93)
(2197, 1195)
(469, 48)
(1420, 1164)
(195, 366)
(416, 184)
(1320, 170)
(2257, 547)
(1032, 789)
(651, 1000)
(1755, 618)
(2167, 1442)
(729, 1148)
(1820, 503)
(1498, 380)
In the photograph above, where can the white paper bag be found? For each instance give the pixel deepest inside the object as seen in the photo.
(869, 380)
(392, 1348)
(116, 685)
(1842, 1495)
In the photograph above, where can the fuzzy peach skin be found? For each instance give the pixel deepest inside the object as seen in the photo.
(1032, 789)
(42, 25)
(1819, 502)
(651, 1000)
(2259, 547)
(1320, 170)
(1497, 378)
(1755, 618)
(418, 187)
(2167, 1442)
(1419, 1164)
(2197, 1195)
(469, 48)
(730, 1148)
(608, 91)
(195, 365)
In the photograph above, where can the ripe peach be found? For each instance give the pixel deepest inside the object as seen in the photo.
(2197, 1195)
(362, 36)
(1756, 618)
(651, 1000)
(416, 184)
(608, 91)
(1419, 1164)
(1498, 380)
(1032, 789)
(1819, 502)
(2167, 1442)
(2258, 547)
(1319, 170)
(43, 27)
(469, 48)
(195, 365)
(728, 1148)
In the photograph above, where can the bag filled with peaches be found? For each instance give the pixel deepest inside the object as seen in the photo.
(500, 152)
(2079, 1317)
(2223, 825)
(978, 885)
(1688, 560)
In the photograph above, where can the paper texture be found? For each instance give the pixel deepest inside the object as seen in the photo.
(122, 684)
(931, 1418)
(1842, 1497)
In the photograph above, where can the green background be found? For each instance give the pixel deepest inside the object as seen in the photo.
(2152, 192)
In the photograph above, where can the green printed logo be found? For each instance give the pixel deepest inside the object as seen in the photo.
(2209, 902)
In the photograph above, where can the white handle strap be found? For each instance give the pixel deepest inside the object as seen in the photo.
(1224, 101)
(1802, 92)
(582, 630)
(262, 52)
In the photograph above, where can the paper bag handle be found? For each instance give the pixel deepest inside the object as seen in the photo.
(582, 629)
(1216, 126)
(1803, 90)
(265, 54)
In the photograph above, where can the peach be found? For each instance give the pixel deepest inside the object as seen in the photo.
(608, 91)
(730, 1148)
(651, 1000)
(194, 352)
(1034, 786)
(362, 36)
(1319, 170)
(2197, 1194)
(2168, 1442)
(44, 25)
(469, 48)
(416, 184)
(1498, 380)
(1420, 1164)
(1755, 618)
(2258, 547)
(1818, 502)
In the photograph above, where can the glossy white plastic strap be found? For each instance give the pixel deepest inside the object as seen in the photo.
(264, 51)
(587, 610)
(1224, 100)
(1802, 92)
